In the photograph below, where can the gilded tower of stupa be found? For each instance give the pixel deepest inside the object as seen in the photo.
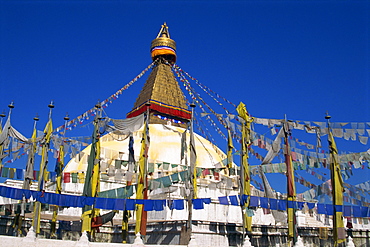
(161, 92)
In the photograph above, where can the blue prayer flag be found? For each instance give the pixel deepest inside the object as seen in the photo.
(347, 212)
(178, 204)
(310, 205)
(198, 204)
(223, 200)
(292, 204)
(130, 204)
(356, 211)
(234, 200)
(301, 205)
(159, 205)
(254, 200)
(338, 208)
(273, 203)
(264, 201)
(119, 204)
(329, 209)
(364, 211)
(321, 208)
(148, 205)
(206, 200)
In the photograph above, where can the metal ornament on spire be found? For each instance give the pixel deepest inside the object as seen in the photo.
(163, 46)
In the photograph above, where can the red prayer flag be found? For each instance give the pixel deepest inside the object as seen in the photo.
(67, 178)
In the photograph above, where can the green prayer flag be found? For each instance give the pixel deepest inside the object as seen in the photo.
(166, 165)
(129, 190)
(103, 194)
(121, 192)
(5, 172)
(117, 164)
(166, 181)
(112, 193)
(74, 177)
(184, 176)
(175, 177)
(232, 171)
(150, 167)
(199, 171)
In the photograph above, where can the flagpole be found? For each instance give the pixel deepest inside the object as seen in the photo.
(17, 219)
(141, 181)
(92, 186)
(245, 189)
(2, 115)
(145, 213)
(192, 175)
(28, 175)
(43, 169)
(230, 148)
(31, 157)
(339, 234)
(59, 173)
(291, 191)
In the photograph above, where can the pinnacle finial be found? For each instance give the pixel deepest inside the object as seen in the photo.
(51, 105)
(66, 118)
(164, 33)
(163, 46)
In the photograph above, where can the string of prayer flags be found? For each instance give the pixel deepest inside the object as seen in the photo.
(92, 112)
(159, 205)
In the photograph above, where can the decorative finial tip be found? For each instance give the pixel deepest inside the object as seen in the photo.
(66, 117)
(163, 45)
(11, 105)
(2, 114)
(36, 118)
(51, 105)
(327, 115)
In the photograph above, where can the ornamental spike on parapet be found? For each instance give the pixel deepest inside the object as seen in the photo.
(247, 242)
(299, 242)
(138, 241)
(350, 242)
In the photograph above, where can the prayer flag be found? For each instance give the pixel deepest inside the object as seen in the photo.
(91, 186)
(337, 191)
(244, 171)
(43, 168)
(142, 181)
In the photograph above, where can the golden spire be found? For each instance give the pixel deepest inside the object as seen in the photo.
(161, 92)
(163, 46)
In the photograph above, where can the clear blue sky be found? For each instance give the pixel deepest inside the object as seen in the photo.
(299, 58)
